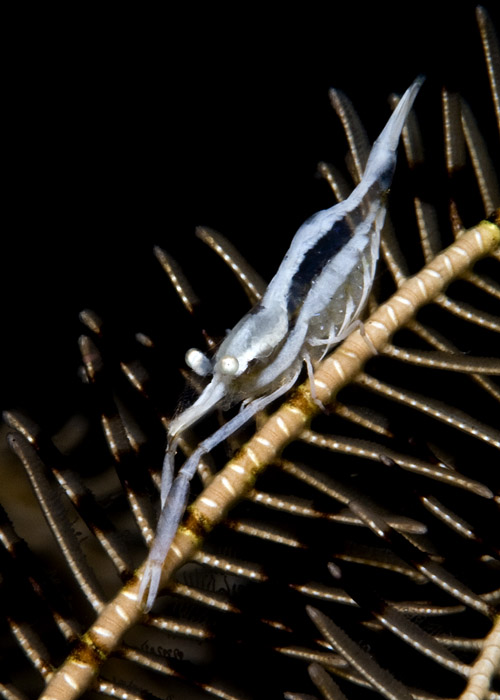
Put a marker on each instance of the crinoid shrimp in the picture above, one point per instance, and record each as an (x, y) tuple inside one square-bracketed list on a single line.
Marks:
[(311, 304)]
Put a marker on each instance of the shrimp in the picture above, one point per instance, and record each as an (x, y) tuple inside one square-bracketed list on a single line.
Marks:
[(311, 304)]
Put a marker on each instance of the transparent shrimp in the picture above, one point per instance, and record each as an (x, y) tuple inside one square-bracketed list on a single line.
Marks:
[(311, 304)]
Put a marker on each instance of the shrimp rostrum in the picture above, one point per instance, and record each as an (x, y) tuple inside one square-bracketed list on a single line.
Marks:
[(311, 304)]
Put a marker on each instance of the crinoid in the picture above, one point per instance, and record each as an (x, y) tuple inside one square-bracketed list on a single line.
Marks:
[(346, 553)]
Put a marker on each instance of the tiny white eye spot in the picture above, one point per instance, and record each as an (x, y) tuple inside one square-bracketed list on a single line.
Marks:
[(228, 365), (198, 362)]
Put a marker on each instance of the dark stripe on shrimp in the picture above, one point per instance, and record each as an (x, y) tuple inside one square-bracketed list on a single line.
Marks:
[(333, 240), (313, 262)]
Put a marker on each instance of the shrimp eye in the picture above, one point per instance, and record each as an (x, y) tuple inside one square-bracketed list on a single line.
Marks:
[(198, 362), (228, 365)]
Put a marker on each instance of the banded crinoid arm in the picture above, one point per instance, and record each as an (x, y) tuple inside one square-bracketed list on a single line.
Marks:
[(231, 483), (485, 666)]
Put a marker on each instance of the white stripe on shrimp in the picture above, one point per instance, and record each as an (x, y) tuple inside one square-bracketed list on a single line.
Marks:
[(311, 304)]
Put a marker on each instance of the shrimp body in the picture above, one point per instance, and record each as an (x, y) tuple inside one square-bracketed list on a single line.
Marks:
[(311, 304)]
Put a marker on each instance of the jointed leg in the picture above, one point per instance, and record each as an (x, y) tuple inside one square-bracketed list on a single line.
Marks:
[(310, 374), (175, 497)]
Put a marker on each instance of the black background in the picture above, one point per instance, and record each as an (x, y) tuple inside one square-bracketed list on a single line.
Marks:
[(129, 130)]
